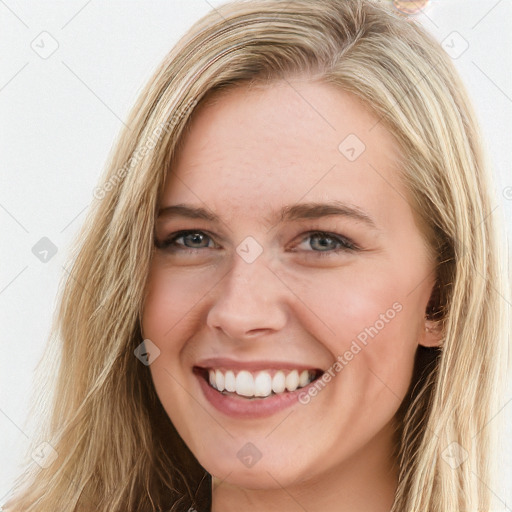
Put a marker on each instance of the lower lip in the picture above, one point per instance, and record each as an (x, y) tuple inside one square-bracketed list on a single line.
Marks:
[(244, 408)]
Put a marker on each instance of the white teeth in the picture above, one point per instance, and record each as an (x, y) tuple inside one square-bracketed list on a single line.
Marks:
[(244, 384), (229, 381), (292, 380), (279, 382), (303, 378), (219, 380), (260, 384)]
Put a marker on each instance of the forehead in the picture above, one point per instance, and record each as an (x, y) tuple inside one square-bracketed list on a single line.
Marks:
[(254, 148)]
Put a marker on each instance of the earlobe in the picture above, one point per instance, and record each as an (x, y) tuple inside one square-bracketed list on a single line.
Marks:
[(432, 334)]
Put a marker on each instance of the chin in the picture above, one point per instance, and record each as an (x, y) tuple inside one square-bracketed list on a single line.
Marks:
[(273, 473)]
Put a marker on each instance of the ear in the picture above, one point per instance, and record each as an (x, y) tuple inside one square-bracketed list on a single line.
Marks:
[(432, 335)]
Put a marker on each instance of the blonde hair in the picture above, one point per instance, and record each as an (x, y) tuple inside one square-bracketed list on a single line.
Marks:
[(117, 449)]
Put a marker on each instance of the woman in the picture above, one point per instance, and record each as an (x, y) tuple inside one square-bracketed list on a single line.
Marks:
[(211, 357)]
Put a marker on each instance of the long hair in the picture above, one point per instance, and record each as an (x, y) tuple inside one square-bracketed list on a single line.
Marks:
[(116, 448)]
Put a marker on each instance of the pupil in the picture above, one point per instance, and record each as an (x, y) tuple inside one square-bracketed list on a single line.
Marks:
[(196, 238), (323, 244)]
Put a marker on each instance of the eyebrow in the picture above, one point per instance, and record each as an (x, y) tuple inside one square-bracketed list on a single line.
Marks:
[(289, 213)]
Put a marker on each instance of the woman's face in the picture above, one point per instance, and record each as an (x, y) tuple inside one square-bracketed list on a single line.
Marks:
[(303, 255)]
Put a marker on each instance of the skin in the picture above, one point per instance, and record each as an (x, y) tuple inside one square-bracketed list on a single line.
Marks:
[(248, 154)]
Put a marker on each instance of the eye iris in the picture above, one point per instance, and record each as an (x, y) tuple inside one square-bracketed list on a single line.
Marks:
[(194, 237), (322, 244)]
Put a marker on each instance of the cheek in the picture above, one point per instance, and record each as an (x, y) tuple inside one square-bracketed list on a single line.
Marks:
[(373, 317), (169, 315), (173, 297), (350, 300)]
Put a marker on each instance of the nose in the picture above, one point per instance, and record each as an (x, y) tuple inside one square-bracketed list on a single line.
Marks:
[(249, 301)]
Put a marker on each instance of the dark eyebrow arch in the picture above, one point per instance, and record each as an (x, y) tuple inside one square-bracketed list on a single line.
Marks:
[(289, 213)]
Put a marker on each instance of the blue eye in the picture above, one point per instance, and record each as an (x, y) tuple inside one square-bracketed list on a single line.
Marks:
[(194, 240), (335, 243)]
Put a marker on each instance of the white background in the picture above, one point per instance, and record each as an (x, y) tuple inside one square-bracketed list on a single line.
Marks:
[(61, 114)]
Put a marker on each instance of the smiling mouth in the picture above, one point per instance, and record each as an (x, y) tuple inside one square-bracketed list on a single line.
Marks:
[(257, 385)]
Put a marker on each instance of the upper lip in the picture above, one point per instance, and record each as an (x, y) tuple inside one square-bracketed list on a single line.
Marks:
[(253, 365)]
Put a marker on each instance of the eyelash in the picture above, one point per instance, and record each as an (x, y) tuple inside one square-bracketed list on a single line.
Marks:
[(346, 244)]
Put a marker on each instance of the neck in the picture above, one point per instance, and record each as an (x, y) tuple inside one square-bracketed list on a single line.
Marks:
[(366, 482)]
